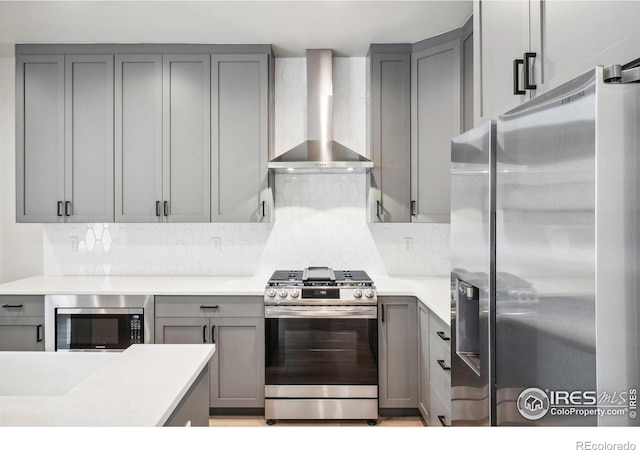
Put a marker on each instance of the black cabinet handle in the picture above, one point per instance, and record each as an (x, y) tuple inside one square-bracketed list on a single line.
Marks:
[(67, 209), (378, 208), (38, 335), (441, 364), (442, 336), (12, 306), (528, 56), (382, 315), (166, 208), (204, 334), (516, 77), (442, 422), (413, 208), (209, 306), (60, 209), (213, 334), (158, 212), (263, 208)]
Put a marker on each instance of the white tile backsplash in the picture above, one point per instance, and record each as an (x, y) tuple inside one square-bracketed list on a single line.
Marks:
[(320, 219)]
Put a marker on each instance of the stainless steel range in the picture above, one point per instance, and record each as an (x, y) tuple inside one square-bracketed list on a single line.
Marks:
[(321, 330)]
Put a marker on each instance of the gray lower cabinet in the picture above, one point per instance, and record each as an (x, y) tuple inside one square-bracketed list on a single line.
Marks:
[(21, 323), (389, 132), (236, 326), (186, 137), (64, 138), (439, 364), (397, 353), (423, 360), (240, 92)]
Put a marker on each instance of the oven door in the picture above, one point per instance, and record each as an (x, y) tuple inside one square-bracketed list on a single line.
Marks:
[(98, 329), (326, 346)]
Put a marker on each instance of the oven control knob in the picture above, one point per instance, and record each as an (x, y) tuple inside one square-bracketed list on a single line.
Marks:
[(295, 293), (271, 292), (369, 293), (357, 293), (283, 293)]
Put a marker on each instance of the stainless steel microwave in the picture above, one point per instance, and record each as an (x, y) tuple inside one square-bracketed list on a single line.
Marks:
[(97, 322), (85, 329)]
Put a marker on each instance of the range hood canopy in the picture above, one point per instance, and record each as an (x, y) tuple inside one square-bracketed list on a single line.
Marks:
[(320, 153)]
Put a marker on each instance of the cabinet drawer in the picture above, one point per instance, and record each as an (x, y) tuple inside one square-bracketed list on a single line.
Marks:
[(440, 368), (438, 329), (440, 412), (207, 306), (21, 306)]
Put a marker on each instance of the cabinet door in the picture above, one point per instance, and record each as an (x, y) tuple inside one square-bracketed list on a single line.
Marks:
[(182, 330), (39, 138), (186, 137), (435, 121), (501, 35), (390, 137), (89, 138), (22, 334), (398, 352), (138, 131), (237, 379), (239, 118), (423, 360), (606, 33)]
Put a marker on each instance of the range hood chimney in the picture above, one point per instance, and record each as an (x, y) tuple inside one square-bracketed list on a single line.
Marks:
[(320, 153)]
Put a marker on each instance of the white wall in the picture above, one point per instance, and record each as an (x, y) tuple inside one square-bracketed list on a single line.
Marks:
[(20, 244), (320, 219)]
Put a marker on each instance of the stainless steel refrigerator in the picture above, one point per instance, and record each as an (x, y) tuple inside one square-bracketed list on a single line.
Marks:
[(545, 229)]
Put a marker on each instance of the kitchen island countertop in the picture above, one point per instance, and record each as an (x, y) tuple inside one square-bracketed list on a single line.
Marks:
[(432, 291), (141, 386)]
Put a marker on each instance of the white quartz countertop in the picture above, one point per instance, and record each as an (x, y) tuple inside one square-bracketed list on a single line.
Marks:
[(432, 291), (141, 386)]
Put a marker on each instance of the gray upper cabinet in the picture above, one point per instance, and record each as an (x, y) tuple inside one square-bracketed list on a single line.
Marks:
[(501, 36), (64, 130), (240, 137), (186, 137), (39, 138), (138, 131), (89, 138), (435, 120), (388, 133), (606, 33)]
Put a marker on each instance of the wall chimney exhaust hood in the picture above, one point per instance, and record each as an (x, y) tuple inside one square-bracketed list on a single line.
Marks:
[(320, 153)]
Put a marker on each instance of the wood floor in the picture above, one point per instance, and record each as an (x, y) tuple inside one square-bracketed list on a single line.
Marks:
[(258, 421)]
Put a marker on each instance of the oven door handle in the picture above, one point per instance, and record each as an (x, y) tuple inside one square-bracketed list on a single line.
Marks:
[(320, 312)]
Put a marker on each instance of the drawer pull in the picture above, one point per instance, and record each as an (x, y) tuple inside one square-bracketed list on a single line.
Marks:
[(204, 334), (442, 336), (441, 364), (12, 306), (213, 334), (209, 306), (442, 422), (38, 334)]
